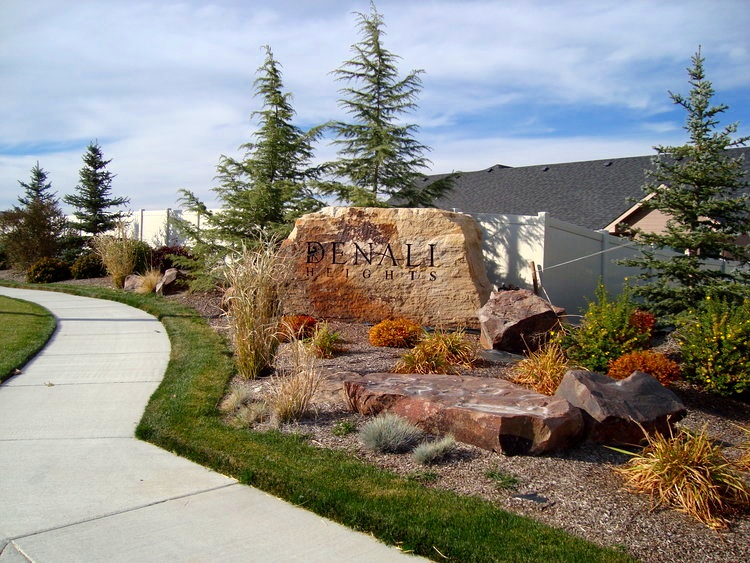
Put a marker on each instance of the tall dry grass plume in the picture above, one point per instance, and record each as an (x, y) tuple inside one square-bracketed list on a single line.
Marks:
[(290, 396), (254, 307), (117, 253)]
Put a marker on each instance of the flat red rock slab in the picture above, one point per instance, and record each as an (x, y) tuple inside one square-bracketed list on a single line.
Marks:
[(493, 414)]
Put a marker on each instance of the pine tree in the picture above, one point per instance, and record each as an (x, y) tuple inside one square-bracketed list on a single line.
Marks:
[(378, 155), (94, 199), (33, 230), (273, 183), (699, 187)]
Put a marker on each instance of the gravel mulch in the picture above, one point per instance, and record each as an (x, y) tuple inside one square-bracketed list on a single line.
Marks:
[(577, 490)]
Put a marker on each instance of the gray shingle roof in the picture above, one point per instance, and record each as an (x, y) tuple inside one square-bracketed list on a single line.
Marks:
[(590, 194)]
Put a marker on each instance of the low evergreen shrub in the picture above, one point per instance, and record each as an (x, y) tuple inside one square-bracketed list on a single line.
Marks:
[(389, 433), (87, 266), (48, 270)]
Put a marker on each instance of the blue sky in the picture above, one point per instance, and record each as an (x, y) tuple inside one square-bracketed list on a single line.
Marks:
[(166, 87)]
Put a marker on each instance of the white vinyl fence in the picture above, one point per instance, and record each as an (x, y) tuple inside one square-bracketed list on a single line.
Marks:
[(562, 261)]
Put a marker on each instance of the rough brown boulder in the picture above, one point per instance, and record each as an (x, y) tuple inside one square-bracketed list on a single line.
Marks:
[(512, 320), (369, 264), (615, 410), (493, 414)]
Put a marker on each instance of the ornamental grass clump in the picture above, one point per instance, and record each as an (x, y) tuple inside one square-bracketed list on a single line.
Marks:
[(543, 369), (117, 253), (389, 433), (687, 472), (439, 352), (655, 364), (608, 329), (715, 345), (396, 333), (290, 396), (744, 461), (149, 281), (324, 342), (254, 307), (434, 451)]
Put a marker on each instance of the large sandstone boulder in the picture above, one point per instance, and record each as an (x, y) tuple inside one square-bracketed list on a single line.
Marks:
[(615, 410), (513, 320), (369, 264), (493, 414)]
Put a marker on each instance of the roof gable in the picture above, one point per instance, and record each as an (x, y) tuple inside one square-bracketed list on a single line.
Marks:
[(590, 194)]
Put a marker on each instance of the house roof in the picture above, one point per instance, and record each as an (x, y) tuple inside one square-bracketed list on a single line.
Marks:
[(590, 193)]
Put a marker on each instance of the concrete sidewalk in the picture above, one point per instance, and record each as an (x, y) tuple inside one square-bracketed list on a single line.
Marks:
[(75, 485)]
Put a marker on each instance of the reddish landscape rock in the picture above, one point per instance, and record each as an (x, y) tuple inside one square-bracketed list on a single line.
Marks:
[(512, 320), (493, 414), (614, 409)]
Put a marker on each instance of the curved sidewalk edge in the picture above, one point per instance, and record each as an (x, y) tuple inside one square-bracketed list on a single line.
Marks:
[(77, 486)]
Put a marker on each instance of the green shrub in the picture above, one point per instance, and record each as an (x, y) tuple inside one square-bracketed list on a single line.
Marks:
[(395, 333), (434, 451), (609, 329), (4, 265), (715, 344), (656, 365), (88, 266), (141, 256), (48, 270), (344, 428), (389, 433), (439, 352)]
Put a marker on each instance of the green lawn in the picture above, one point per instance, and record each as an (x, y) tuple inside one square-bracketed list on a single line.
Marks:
[(24, 328), (182, 417)]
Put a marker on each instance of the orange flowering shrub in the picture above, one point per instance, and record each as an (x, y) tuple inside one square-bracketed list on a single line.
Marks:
[(396, 333), (643, 322), (655, 364), (297, 326)]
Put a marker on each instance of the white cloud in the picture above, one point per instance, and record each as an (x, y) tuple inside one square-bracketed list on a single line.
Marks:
[(166, 87)]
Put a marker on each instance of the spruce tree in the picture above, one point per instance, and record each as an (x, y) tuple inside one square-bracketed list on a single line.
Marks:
[(271, 185), (701, 188), (93, 199), (33, 230), (379, 160)]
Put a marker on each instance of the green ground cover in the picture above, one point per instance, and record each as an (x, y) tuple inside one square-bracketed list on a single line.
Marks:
[(24, 329), (182, 416)]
